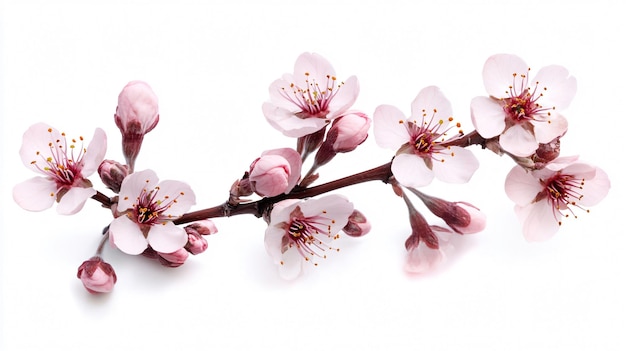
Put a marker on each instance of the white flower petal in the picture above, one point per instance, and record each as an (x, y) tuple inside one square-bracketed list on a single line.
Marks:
[(427, 101), (332, 211), (179, 196), (389, 129), (274, 242), (498, 74), (545, 132), (518, 141), (167, 237), (95, 152), (126, 236), (290, 266), (344, 99), (560, 87), (35, 194), (74, 200), (311, 67), (521, 186), (595, 189), (455, 169), (488, 116), (538, 220), (289, 124), (133, 185), (411, 170)]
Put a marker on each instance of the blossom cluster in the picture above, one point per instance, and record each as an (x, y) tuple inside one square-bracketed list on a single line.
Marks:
[(519, 117)]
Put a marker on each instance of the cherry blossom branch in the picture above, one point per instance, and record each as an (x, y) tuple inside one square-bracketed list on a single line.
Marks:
[(258, 208)]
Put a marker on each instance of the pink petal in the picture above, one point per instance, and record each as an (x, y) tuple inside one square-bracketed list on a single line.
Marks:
[(95, 152), (518, 141), (74, 200), (290, 266), (35, 145), (389, 129), (411, 170), (498, 74), (274, 242), (35, 194), (132, 186), (289, 124), (126, 236), (545, 132), (278, 89), (315, 65), (428, 100), (335, 210), (560, 87), (344, 99), (167, 237), (455, 169), (595, 189), (488, 116), (538, 221), (170, 190), (521, 186)]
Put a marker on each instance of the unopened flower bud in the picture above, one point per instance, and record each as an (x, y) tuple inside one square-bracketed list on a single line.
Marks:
[(547, 152), (349, 131), (196, 243), (173, 259), (462, 217), (112, 174), (96, 275), (275, 172), (346, 133), (204, 227), (357, 225), (137, 113)]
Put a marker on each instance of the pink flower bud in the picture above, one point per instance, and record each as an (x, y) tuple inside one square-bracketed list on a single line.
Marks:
[(97, 276), (462, 217), (196, 243), (357, 225), (137, 113), (348, 131), (112, 174), (173, 259), (204, 227), (275, 172)]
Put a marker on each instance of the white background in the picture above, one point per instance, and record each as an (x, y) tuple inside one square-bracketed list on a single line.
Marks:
[(210, 63)]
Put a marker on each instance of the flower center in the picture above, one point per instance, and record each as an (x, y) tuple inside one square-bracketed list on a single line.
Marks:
[(309, 235), (63, 162), (313, 100), (427, 136), (149, 210), (522, 106), (563, 191)]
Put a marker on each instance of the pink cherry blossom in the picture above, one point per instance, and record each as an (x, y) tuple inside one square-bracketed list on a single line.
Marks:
[(148, 209), (302, 230), (137, 113), (304, 102), (275, 172), (524, 112), (427, 246), (65, 164), (96, 275), (561, 189), (419, 141)]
